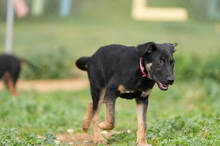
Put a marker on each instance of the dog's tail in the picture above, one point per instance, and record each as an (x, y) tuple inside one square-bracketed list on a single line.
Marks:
[(26, 62), (82, 63)]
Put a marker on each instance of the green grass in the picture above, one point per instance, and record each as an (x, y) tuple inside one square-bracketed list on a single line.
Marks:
[(187, 114), (84, 35)]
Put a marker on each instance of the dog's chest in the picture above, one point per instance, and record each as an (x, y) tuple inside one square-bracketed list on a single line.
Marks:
[(141, 88), (131, 94)]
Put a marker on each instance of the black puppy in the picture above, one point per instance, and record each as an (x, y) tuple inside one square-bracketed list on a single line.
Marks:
[(127, 72), (10, 67)]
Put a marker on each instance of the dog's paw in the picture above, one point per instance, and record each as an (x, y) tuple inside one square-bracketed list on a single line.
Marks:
[(106, 126), (102, 125), (85, 129), (85, 125)]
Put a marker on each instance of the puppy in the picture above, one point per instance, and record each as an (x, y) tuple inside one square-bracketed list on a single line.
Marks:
[(126, 72), (10, 67)]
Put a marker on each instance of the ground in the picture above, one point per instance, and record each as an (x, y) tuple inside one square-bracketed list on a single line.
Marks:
[(51, 85), (180, 116)]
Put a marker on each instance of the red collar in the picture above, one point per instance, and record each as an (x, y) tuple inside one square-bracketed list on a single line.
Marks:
[(142, 68)]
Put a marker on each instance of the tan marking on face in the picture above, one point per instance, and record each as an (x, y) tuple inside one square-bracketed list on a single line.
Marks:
[(97, 137), (148, 68)]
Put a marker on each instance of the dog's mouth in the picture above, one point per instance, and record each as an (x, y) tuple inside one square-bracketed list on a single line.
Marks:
[(161, 85)]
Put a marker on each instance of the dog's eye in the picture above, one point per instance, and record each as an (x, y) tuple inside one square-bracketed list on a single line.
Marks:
[(172, 62), (161, 61)]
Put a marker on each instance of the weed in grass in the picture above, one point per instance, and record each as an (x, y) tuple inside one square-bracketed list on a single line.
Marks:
[(12, 136), (54, 64)]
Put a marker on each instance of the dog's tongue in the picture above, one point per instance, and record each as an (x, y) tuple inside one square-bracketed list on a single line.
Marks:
[(163, 86)]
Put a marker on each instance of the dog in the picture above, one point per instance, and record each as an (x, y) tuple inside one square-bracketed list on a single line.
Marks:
[(10, 68), (126, 72)]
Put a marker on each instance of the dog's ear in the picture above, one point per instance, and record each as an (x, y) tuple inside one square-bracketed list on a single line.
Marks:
[(145, 49), (174, 47)]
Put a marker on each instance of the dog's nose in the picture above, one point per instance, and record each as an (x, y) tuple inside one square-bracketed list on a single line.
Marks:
[(170, 80)]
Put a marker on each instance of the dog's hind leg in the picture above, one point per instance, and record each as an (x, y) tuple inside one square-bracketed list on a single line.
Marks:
[(88, 117), (110, 99), (97, 87), (97, 97), (10, 84)]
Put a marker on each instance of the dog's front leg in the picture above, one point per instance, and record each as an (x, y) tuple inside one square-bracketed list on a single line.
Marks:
[(109, 122), (141, 107)]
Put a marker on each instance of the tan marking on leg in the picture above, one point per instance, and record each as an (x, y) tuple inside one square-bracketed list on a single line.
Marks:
[(149, 92), (142, 126), (109, 122), (141, 134), (122, 89), (97, 137), (88, 117), (9, 83), (146, 93)]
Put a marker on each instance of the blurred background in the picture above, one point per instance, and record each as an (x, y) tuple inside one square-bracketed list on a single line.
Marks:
[(54, 33), (53, 38)]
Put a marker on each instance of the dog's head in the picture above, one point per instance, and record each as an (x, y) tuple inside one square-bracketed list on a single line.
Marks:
[(159, 62)]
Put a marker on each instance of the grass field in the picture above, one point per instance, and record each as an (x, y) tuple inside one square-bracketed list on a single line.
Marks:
[(185, 115)]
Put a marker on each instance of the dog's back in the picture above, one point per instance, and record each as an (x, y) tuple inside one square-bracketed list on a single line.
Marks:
[(107, 61), (8, 63)]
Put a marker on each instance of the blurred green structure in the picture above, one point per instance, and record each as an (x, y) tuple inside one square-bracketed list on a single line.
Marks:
[(202, 9), (214, 9), (205, 9)]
